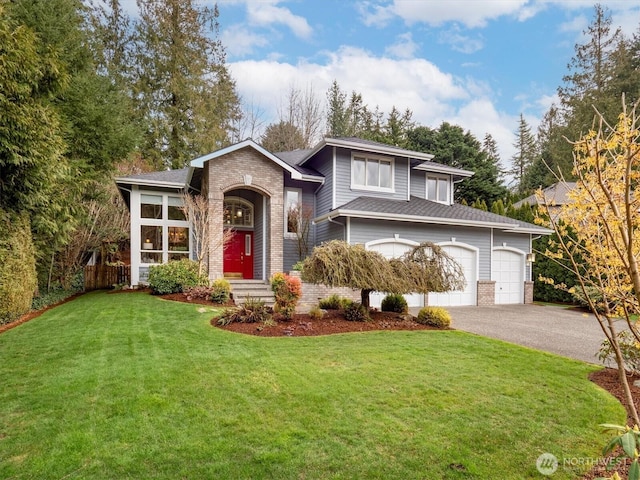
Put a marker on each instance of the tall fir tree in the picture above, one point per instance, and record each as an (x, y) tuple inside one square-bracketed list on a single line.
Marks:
[(525, 155), (602, 69), (182, 86)]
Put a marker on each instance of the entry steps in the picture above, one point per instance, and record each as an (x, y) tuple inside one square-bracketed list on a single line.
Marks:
[(258, 289)]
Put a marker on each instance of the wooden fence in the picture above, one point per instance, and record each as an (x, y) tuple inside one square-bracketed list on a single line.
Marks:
[(97, 277)]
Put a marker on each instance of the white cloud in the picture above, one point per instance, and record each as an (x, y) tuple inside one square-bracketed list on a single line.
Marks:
[(374, 15), (459, 42), (432, 95), (404, 47), (239, 40), (471, 13), (267, 13), (480, 117)]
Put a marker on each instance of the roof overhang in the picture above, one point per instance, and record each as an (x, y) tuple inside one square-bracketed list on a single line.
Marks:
[(149, 183), (368, 147), (438, 168), (507, 227), (295, 175)]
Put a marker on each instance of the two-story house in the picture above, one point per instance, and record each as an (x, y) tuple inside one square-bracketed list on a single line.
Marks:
[(386, 198)]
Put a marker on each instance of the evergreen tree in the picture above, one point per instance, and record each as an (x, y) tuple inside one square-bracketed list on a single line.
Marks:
[(603, 68), (452, 146), (31, 143), (525, 156), (182, 86)]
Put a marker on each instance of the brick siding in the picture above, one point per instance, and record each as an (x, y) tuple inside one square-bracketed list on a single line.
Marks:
[(486, 292), (245, 169)]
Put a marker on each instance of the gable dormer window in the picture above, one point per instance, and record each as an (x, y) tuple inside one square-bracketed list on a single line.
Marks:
[(372, 173), (439, 188)]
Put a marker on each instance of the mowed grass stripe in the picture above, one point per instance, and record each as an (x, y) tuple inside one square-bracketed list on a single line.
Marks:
[(113, 386)]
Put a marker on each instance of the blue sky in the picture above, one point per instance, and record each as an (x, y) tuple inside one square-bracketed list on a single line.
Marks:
[(478, 64)]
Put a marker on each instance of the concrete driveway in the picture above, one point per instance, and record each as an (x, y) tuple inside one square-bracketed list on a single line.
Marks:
[(553, 329)]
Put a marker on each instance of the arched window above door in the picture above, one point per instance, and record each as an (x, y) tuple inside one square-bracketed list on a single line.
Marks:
[(237, 212)]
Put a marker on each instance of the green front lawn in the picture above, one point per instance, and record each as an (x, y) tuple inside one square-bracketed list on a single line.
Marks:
[(131, 386)]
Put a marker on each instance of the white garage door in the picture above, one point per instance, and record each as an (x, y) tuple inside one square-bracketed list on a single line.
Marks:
[(507, 270), (394, 249), (467, 258)]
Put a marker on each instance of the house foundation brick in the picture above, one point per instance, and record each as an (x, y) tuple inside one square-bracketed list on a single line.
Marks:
[(486, 293), (312, 293), (528, 292)]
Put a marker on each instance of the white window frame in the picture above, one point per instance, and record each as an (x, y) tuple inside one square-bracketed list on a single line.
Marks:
[(239, 201), (288, 234), (438, 178), (373, 159), (165, 224)]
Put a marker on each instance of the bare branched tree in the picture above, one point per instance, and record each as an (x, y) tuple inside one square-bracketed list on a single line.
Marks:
[(196, 209), (300, 217)]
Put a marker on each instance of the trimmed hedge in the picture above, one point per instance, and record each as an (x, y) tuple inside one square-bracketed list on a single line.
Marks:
[(18, 278), (174, 277)]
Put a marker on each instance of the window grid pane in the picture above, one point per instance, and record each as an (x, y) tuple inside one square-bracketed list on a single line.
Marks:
[(373, 170), (443, 190), (385, 174), (359, 167), (431, 188)]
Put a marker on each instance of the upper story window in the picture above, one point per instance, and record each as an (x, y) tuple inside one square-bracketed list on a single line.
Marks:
[(237, 212), (151, 206), (372, 173), (439, 189)]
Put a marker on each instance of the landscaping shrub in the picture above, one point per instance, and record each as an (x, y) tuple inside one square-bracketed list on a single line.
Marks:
[(356, 312), (201, 292), (434, 316), (287, 291), (629, 348), (394, 303), (333, 302), (54, 296), (220, 291), (316, 313), (18, 278), (175, 277), (252, 311)]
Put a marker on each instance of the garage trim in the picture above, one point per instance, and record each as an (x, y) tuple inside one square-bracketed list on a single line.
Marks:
[(523, 268), (470, 281)]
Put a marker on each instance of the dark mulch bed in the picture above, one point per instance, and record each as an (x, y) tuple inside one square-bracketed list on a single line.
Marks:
[(303, 324), (333, 322)]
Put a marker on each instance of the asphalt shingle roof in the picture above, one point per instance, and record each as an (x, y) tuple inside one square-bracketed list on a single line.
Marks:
[(419, 207), (172, 176), (294, 157)]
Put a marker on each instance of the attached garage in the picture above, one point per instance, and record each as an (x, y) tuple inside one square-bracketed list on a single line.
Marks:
[(467, 257), (507, 270), (394, 248)]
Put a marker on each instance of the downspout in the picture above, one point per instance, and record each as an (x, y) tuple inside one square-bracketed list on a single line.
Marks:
[(344, 233)]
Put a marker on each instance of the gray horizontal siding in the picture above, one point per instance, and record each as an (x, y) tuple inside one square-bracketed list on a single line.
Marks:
[(323, 163), (327, 231), (345, 194), (418, 184), (363, 231)]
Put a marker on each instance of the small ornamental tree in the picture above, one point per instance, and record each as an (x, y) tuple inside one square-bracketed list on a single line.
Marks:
[(196, 210), (602, 248), (426, 268)]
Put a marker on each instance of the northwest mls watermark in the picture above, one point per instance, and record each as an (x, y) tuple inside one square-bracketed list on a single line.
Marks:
[(547, 463)]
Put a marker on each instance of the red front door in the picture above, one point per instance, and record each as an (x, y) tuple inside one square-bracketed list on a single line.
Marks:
[(238, 256)]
